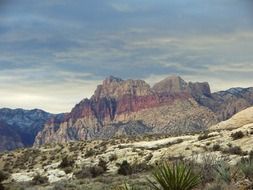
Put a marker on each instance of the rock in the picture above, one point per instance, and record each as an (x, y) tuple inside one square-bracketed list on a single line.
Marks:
[(132, 107), (173, 84), (23, 176), (118, 104), (237, 121)]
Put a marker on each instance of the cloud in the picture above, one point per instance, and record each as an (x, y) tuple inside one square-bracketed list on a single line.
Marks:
[(54, 53)]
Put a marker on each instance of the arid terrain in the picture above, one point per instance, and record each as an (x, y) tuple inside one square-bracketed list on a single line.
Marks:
[(98, 164)]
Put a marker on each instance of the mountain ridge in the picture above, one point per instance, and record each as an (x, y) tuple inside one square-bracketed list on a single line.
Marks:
[(129, 107), (169, 106)]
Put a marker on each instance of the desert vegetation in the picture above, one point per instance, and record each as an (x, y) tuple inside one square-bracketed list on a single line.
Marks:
[(215, 159)]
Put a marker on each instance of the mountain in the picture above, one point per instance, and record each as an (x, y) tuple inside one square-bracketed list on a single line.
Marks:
[(19, 127), (226, 103), (125, 107), (9, 138)]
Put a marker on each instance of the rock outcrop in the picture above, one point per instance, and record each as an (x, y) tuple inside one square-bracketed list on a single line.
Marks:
[(171, 106), (240, 119), (227, 103), (132, 107)]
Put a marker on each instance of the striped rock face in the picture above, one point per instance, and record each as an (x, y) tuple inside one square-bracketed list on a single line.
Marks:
[(132, 107)]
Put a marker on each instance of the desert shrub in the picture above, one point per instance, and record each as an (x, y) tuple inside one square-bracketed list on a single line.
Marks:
[(251, 155), (66, 162), (124, 187), (206, 169), (234, 150), (39, 180), (103, 164), (125, 168), (113, 157), (89, 172), (246, 166), (92, 171), (96, 171), (175, 177), (140, 167), (148, 157), (216, 147), (223, 171), (68, 170), (215, 186), (3, 176), (89, 153), (237, 135), (203, 136)]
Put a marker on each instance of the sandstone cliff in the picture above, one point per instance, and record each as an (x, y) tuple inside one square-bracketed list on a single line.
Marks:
[(132, 107)]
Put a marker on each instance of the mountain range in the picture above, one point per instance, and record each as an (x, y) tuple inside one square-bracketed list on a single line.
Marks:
[(126, 107)]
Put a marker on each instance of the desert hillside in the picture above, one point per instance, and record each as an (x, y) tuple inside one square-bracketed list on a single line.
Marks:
[(142, 153)]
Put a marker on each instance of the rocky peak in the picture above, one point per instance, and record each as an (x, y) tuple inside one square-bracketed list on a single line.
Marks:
[(112, 79), (117, 88), (198, 89), (172, 84), (175, 84)]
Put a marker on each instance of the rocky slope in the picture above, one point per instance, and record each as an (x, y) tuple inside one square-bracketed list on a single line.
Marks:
[(19, 127), (239, 120), (9, 138), (226, 103), (133, 107), (214, 145)]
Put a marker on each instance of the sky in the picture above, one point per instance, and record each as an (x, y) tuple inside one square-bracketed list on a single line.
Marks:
[(53, 53)]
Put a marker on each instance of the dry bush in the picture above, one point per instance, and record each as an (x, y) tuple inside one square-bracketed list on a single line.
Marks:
[(39, 180), (125, 168), (237, 135)]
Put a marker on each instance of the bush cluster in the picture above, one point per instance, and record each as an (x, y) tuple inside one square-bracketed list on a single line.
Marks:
[(237, 135), (92, 171)]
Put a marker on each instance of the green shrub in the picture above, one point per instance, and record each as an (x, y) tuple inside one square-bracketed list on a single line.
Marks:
[(92, 171), (124, 187), (237, 135), (246, 166), (113, 157), (3, 176), (216, 186), (251, 155), (125, 168), (216, 147), (175, 177), (96, 171), (203, 136), (205, 169), (140, 167), (89, 153), (233, 150), (39, 180), (223, 172), (66, 162), (103, 164), (89, 172)]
